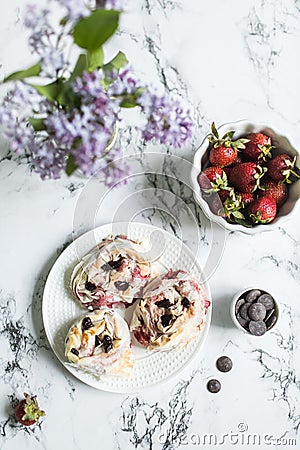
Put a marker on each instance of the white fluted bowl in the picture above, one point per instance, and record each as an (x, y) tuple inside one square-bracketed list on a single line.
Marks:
[(282, 145)]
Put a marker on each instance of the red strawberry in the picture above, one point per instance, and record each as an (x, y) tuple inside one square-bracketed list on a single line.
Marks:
[(246, 176), (227, 170), (225, 150), (263, 210), (238, 160), (212, 179), (246, 197), (282, 167), (223, 156), (258, 148), (277, 190), (27, 411)]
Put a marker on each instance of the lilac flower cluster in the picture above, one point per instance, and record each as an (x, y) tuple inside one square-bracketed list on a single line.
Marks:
[(46, 158), (85, 132), (84, 128), (75, 9), (14, 126), (43, 40), (167, 121), (123, 83)]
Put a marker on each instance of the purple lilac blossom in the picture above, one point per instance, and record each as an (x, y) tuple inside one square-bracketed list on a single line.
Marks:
[(45, 157), (123, 83), (110, 4), (116, 170), (48, 159), (43, 40), (86, 132), (15, 127), (167, 121), (76, 9)]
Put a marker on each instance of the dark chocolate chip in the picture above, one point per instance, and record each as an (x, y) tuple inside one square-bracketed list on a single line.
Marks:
[(224, 364), (121, 285), (185, 302), (257, 328), (106, 338), (74, 351), (271, 320), (90, 286), (266, 300), (86, 323), (213, 386), (238, 304), (257, 312), (244, 311), (108, 347), (164, 303), (166, 319), (97, 341), (252, 295), (116, 264), (113, 265)]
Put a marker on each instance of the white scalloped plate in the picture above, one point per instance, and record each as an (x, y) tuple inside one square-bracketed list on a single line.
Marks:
[(60, 309)]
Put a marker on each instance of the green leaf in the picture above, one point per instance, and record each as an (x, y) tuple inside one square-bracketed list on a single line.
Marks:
[(80, 67), (128, 103), (91, 32), (67, 97), (229, 135), (71, 165), (95, 59), (238, 215), (50, 91), (38, 124), (32, 71), (117, 62), (243, 222), (214, 130)]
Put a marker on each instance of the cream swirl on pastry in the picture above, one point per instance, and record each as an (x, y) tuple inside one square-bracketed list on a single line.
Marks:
[(113, 273), (171, 313), (99, 342)]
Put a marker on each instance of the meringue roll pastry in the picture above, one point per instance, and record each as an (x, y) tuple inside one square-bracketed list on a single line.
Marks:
[(171, 313), (112, 274), (99, 343)]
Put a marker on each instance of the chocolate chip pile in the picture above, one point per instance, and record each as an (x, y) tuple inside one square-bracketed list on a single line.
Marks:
[(256, 312)]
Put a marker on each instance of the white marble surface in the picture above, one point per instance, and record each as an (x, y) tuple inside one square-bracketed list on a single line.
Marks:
[(229, 60)]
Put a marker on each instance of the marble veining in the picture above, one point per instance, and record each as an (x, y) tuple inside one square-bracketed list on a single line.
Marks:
[(151, 426)]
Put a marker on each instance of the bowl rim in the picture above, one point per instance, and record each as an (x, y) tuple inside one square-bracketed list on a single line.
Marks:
[(238, 295), (197, 167)]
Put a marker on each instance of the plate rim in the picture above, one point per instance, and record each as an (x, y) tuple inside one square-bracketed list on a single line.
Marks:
[(96, 383)]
